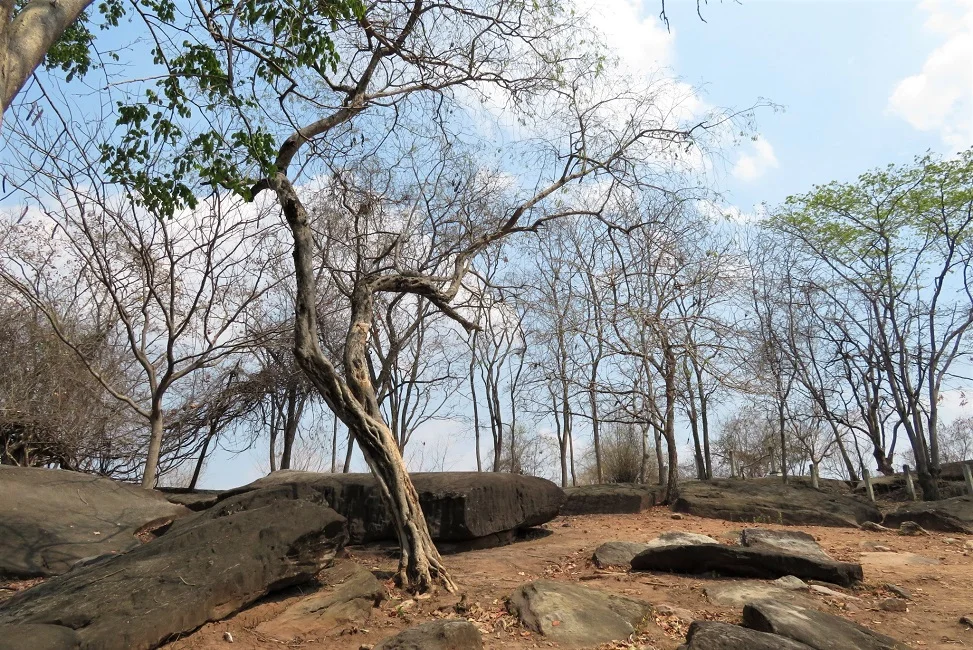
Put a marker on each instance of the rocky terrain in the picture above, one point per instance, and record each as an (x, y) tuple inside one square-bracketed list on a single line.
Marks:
[(304, 560)]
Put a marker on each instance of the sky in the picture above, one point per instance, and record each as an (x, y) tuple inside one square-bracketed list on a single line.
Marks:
[(856, 85)]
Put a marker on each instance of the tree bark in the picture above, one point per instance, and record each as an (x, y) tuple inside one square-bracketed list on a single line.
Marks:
[(353, 399), (155, 445)]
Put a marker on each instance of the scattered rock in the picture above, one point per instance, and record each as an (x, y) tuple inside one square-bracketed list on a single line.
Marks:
[(436, 635), (52, 519), (739, 593), (966, 620), (772, 502), (893, 605), (610, 499), (676, 515), (828, 591), (618, 554), (348, 594), (713, 635), (788, 541), (871, 526), (459, 506), (576, 616), (911, 529), (817, 629), (744, 562), (177, 582), (869, 545), (947, 515), (901, 592), (679, 538), (793, 583)]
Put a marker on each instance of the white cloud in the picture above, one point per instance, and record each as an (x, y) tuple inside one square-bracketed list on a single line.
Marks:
[(756, 161), (940, 97), (638, 38)]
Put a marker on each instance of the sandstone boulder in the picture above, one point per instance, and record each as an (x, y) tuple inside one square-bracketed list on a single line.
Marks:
[(610, 499), (816, 629), (459, 506), (744, 562), (769, 501), (953, 515), (52, 519), (713, 635), (575, 616), (436, 635), (174, 584)]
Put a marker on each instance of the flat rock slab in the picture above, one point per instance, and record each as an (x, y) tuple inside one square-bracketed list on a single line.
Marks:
[(437, 635), (769, 501), (348, 594), (195, 500), (38, 637), (459, 506), (177, 582), (713, 635), (741, 592), (575, 616), (51, 519), (948, 515), (610, 499), (620, 554), (788, 541), (818, 630), (744, 562)]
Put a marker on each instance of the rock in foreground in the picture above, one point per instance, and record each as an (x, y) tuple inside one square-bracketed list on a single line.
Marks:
[(51, 519), (819, 630), (177, 582), (437, 635), (575, 616), (459, 506), (745, 562), (712, 635), (620, 554), (769, 501)]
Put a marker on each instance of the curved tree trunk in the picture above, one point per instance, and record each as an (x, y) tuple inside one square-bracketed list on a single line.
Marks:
[(352, 398)]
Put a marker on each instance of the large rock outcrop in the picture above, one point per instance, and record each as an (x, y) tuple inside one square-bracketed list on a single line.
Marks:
[(459, 506), (713, 635), (172, 585), (51, 519), (947, 515), (610, 499), (770, 501)]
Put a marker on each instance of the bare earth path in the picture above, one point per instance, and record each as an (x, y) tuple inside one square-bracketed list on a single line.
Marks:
[(937, 570)]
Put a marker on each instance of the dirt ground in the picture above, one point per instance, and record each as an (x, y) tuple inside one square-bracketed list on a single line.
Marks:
[(936, 569)]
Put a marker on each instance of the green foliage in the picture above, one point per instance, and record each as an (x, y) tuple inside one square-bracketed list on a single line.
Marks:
[(886, 212), (215, 68)]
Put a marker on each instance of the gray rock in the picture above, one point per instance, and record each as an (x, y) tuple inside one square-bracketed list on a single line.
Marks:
[(195, 500), (819, 630), (769, 501), (38, 637), (181, 580), (576, 616), (618, 554), (459, 506), (948, 515), (739, 593), (680, 538), (437, 635), (712, 635), (347, 596), (788, 541), (792, 583), (51, 519), (610, 499), (744, 562)]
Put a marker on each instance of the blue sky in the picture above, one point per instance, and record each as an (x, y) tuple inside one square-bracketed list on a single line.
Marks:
[(862, 84), (855, 80)]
